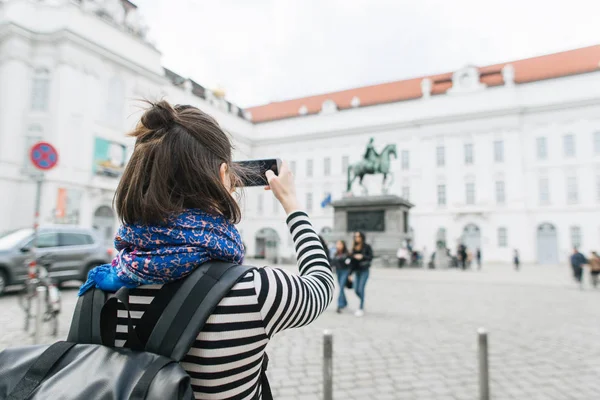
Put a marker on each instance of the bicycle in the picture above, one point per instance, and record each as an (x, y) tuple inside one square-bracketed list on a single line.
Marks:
[(38, 276)]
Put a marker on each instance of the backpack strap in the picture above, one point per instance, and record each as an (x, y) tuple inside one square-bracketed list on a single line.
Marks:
[(38, 370), (85, 325), (266, 393), (141, 388), (190, 307)]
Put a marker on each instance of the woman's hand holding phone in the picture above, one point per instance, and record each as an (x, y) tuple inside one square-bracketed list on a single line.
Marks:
[(284, 188)]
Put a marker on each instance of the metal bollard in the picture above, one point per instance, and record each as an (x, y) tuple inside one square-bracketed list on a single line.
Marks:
[(484, 373), (327, 365), (40, 293)]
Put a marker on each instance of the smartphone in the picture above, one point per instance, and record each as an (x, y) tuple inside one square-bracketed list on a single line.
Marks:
[(252, 172)]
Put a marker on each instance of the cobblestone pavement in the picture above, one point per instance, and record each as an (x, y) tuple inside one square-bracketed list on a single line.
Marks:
[(418, 338)]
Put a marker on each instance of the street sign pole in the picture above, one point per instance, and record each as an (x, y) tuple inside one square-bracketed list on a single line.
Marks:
[(44, 157), (36, 214)]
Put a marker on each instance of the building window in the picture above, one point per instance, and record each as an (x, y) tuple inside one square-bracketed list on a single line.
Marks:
[(542, 148), (309, 168), (575, 236), (441, 195), (500, 197), (498, 151), (569, 145), (405, 159), (597, 142), (572, 190), (440, 156), (116, 101), (502, 237), (259, 204), (345, 163), (470, 189), (544, 191), (327, 166), (468, 153), (405, 192), (309, 202), (293, 167), (35, 134), (40, 90)]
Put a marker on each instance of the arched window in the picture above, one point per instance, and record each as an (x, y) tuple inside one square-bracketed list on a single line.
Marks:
[(440, 238), (40, 90), (328, 106)]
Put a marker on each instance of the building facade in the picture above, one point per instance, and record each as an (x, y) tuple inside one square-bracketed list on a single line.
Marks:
[(500, 157)]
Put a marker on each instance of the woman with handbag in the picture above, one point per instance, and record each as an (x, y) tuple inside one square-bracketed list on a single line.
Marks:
[(342, 262), (362, 255)]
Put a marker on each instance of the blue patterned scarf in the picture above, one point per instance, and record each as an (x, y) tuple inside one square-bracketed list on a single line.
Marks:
[(159, 254)]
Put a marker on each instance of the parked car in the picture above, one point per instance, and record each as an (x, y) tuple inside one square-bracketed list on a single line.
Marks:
[(71, 250)]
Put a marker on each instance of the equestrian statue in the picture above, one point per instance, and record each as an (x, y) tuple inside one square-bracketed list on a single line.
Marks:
[(371, 164)]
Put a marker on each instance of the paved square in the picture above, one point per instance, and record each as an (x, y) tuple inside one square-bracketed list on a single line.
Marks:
[(418, 338)]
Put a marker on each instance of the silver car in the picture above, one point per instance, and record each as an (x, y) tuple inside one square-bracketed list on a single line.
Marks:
[(71, 252)]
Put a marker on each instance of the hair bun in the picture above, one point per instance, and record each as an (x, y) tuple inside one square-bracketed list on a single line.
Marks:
[(159, 116)]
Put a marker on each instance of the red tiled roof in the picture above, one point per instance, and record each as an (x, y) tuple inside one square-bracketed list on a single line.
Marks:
[(555, 65)]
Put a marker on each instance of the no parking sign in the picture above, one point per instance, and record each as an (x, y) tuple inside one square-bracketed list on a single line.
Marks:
[(43, 156)]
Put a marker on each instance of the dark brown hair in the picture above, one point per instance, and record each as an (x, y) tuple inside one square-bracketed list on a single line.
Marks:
[(362, 241), (175, 166), (344, 248)]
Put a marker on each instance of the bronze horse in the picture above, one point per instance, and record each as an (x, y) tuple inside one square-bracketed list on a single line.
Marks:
[(379, 166)]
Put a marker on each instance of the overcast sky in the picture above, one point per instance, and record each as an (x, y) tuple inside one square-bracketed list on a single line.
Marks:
[(269, 50)]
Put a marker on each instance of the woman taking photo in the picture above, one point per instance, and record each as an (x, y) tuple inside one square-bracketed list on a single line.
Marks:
[(176, 202), (362, 255), (341, 262)]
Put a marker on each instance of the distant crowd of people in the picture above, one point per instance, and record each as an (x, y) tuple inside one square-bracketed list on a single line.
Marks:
[(463, 258), (352, 265)]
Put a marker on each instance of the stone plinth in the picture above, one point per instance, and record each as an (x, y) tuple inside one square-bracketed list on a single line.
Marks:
[(383, 219)]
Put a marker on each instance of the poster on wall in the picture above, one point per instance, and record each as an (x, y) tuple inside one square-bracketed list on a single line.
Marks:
[(109, 158), (68, 204)]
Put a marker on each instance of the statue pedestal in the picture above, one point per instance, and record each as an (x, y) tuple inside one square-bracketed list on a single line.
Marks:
[(383, 219), (442, 260)]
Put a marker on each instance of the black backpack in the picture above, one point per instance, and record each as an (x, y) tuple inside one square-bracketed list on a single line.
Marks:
[(88, 367)]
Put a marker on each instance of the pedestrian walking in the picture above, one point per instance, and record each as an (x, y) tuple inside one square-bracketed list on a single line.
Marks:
[(462, 256), (478, 256), (402, 255), (176, 202), (362, 255), (342, 262), (516, 260), (578, 260), (594, 263)]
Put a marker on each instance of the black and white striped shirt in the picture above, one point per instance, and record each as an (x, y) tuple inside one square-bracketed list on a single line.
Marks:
[(226, 358)]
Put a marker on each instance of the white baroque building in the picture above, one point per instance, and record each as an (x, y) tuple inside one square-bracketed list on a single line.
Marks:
[(499, 157)]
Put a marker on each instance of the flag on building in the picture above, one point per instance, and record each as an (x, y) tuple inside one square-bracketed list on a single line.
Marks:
[(326, 201)]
